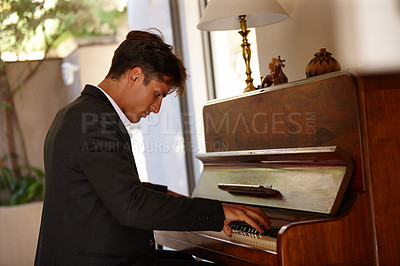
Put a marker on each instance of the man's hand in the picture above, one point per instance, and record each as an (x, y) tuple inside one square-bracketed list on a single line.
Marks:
[(251, 215)]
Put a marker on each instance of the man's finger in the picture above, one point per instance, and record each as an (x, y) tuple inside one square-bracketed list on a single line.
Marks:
[(255, 225), (260, 212), (227, 230), (251, 215), (254, 217)]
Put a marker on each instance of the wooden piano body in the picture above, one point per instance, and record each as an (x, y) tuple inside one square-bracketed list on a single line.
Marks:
[(344, 122)]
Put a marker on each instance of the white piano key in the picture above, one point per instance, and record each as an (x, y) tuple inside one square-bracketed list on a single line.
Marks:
[(244, 238)]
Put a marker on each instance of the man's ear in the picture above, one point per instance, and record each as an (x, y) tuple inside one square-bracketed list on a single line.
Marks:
[(134, 74)]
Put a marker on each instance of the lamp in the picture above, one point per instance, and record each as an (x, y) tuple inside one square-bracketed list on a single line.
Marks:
[(240, 14)]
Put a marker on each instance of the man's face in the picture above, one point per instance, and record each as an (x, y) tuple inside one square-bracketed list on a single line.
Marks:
[(140, 100)]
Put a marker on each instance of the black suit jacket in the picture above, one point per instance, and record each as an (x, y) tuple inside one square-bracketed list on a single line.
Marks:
[(96, 211)]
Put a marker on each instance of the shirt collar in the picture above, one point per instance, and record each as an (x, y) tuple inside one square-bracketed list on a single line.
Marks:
[(121, 114)]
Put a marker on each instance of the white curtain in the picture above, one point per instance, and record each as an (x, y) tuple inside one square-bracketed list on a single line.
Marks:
[(158, 139)]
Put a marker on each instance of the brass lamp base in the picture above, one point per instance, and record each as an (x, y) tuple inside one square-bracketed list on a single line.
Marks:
[(246, 52)]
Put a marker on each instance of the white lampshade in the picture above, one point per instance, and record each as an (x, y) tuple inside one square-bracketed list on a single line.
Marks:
[(223, 14)]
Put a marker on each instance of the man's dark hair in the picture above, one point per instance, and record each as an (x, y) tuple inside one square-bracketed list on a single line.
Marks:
[(156, 58)]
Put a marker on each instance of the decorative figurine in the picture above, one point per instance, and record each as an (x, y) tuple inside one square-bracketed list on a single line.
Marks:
[(322, 63), (276, 76)]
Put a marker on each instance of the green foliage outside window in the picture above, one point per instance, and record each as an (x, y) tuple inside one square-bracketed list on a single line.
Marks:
[(27, 188), (32, 25), (29, 25)]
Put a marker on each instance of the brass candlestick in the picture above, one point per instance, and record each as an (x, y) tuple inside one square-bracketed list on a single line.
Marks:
[(246, 52)]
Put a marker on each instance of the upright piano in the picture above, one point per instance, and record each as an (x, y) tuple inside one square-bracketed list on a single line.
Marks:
[(321, 157)]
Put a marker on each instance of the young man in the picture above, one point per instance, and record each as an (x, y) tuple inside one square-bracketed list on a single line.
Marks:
[(96, 210)]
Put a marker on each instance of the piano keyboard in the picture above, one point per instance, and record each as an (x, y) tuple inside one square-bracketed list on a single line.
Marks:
[(247, 235)]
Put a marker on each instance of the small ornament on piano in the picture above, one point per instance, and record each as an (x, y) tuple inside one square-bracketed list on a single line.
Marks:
[(276, 76), (322, 63)]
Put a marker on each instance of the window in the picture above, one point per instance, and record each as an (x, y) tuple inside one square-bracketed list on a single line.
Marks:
[(228, 63)]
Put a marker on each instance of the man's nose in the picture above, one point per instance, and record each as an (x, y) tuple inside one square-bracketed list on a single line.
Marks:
[(156, 106)]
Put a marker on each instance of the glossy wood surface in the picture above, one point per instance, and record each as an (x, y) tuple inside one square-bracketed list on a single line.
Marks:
[(310, 113), (223, 252), (359, 113), (342, 240), (380, 110)]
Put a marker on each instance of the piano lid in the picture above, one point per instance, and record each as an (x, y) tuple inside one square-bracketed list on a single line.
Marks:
[(311, 179)]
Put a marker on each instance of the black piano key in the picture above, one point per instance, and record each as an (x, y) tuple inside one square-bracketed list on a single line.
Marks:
[(273, 232)]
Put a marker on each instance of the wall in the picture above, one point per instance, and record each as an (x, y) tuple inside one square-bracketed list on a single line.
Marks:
[(40, 99), (358, 33), (94, 62), (18, 238), (37, 103)]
